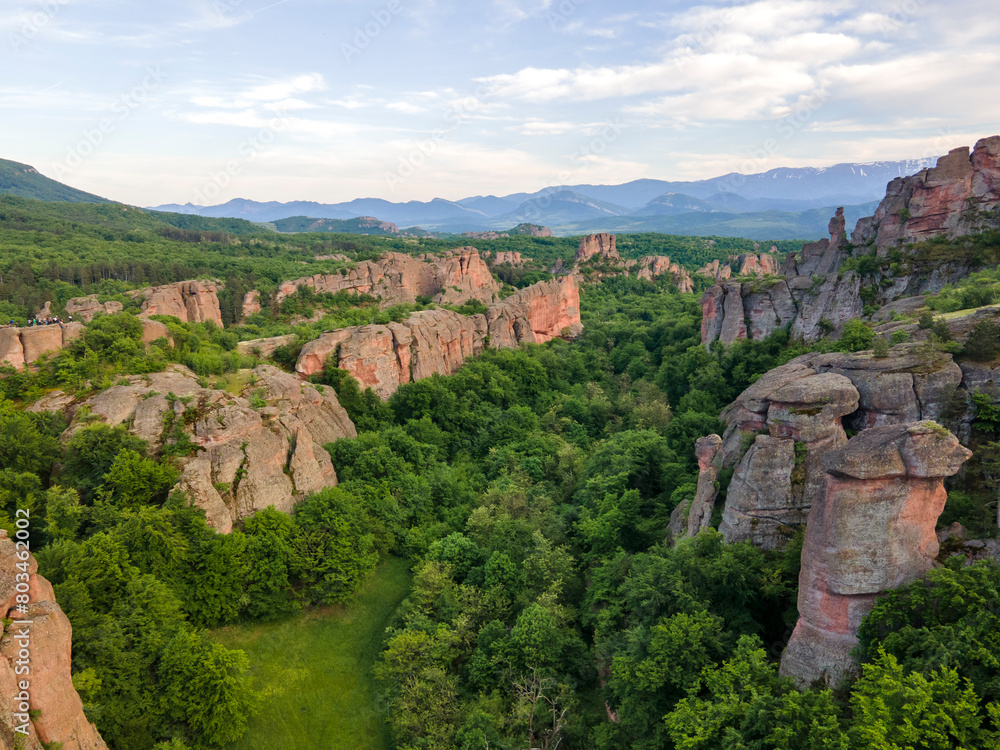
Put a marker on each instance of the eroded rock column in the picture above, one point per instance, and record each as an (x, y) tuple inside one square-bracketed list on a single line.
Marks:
[(870, 529)]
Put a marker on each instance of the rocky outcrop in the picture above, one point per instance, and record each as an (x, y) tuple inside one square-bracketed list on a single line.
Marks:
[(602, 250), (53, 712), (262, 448), (870, 529), (383, 357), (691, 517), (265, 347), (508, 256), (764, 264), (25, 346), (957, 197), (597, 245), (251, 304), (86, 308), (780, 427), (812, 298), (459, 276), (188, 301)]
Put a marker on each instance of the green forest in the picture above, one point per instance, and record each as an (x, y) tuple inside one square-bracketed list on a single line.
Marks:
[(528, 496)]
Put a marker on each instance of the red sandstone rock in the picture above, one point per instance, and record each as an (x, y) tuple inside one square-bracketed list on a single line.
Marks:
[(508, 256), (59, 716), (397, 278), (85, 308), (870, 529), (439, 341), (251, 304), (948, 200), (602, 244), (39, 340), (11, 349), (188, 301)]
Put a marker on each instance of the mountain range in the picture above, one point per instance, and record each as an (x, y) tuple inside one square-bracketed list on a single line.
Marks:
[(777, 204), (785, 203)]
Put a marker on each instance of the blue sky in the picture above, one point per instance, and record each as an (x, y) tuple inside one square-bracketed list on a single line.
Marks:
[(208, 100)]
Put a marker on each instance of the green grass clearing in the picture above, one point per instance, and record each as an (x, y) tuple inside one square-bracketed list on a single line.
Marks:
[(315, 671)]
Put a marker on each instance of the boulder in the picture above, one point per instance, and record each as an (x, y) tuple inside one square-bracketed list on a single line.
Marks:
[(153, 330), (603, 245), (265, 347), (39, 340), (870, 529)]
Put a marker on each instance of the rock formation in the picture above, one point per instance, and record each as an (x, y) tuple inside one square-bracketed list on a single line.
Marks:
[(396, 278), (960, 196), (779, 428), (265, 347), (603, 247), (188, 301), (871, 529), (54, 712), (957, 197), (383, 357), (691, 517), (85, 308), (251, 304), (812, 297), (749, 264), (508, 256), (261, 449), (25, 346)]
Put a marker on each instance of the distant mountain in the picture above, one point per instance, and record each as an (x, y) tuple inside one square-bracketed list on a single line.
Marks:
[(672, 204), (26, 182), (559, 207), (782, 193), (761, 225)]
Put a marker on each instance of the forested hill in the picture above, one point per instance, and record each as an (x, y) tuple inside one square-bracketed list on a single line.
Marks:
[(27, 182)]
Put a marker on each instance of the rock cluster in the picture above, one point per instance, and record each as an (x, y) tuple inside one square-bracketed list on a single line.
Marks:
[(188, 301), (459, 276), (508, 256), (779, 428), (383, 357), (871, 529), (604, 247), (811, 296), (56, 711), (251, 304), (259, 449), (750, 264), (85, 308), (25, 346)]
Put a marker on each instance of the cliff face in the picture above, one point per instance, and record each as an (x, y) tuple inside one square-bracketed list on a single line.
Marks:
[(56, 711), (952, 199), (383, 357), (871, 529), (396, 278), (261, 449)]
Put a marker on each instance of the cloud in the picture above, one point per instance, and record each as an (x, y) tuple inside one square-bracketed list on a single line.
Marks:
[(540, 127)]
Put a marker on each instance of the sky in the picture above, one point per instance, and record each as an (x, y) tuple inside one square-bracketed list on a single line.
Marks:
[(204, 101)]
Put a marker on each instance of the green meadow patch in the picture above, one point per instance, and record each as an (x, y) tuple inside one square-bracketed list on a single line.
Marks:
[(315, 671)]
